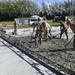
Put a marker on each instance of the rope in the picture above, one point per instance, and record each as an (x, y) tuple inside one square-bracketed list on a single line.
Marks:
[(69, 42)]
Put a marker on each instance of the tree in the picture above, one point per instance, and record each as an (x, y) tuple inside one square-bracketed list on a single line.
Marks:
[(44, 9), (17, 8)]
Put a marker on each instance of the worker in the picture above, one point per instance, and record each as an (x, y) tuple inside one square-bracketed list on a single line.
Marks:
[(63, 28), (47, 30), (15, 27)]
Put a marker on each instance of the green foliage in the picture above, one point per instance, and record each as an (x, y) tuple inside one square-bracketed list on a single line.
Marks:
[(10, 9), (17, 8)]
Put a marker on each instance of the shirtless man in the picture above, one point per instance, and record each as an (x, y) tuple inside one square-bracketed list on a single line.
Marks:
[(47, 30), (42, 26), (63, 28), (38, 28), (72, 26)]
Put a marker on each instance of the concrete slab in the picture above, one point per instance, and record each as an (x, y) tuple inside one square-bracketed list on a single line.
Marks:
[(14, 62)]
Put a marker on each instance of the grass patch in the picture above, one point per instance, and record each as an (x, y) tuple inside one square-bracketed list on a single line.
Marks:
[(53, 24), (20, 26), (9, 24), (25, 26)]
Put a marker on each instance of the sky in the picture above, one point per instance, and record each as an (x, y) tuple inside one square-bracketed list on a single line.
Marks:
[(46, 1), (39, 1)]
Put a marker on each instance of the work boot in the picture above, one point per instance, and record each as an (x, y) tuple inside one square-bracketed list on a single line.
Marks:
[(50, 37), (67, 38)]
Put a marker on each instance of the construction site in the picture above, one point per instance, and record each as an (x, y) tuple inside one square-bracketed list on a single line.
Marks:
[(58, 54)]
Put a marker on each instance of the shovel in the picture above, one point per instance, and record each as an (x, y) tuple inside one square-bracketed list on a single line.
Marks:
[(55, 35)]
